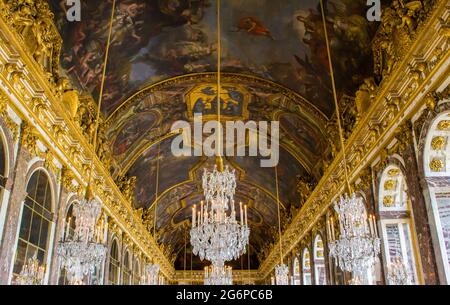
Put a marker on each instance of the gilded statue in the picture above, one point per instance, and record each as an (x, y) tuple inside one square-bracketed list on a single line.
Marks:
[(127, 186), (305, 186), (365, 95), (33, 20), (69, 96)]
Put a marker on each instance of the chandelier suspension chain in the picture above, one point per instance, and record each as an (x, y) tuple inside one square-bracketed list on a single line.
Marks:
[(156, 190), (219, 141), (336, 103), (102, 84), (279, 217)]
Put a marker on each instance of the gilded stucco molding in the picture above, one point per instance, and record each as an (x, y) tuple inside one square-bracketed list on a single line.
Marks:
[(400, 95), (29, 92)]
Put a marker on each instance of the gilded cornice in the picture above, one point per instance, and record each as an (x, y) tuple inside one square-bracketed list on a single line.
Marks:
[(399, 96), (34, 98)]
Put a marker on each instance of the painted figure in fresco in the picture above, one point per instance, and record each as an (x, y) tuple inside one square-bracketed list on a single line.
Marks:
[(231, 101), (254, 27)]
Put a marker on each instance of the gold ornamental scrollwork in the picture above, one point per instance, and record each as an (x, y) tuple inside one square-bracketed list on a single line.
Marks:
[(29, 138), (67, 179), (12, 126)]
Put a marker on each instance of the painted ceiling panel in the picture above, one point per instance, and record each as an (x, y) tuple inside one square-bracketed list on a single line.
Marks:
[(275, 67), (154, 40)]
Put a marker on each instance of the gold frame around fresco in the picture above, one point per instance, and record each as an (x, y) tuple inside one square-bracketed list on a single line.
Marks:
[(190, 100)]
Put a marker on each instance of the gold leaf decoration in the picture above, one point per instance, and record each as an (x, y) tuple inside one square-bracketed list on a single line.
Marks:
[(438, 143), (389, 185), (393, 172), (436, 165), (388, 201), (444, 125)]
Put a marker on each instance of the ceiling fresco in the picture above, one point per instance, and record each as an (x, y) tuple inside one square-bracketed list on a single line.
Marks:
[(155, 40), (162, 68)]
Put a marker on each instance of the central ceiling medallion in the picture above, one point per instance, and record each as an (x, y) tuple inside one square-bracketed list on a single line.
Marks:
[(202, 99)]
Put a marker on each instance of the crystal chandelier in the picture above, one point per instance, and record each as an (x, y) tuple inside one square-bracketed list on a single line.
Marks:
[(281, 270), (151, 274), (218, 275), (358, 244), (216, 234), (398, 273), (32, 273), (83, 253), (282, 274)]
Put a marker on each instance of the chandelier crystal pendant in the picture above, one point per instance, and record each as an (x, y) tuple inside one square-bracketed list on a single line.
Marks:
[(282, 274), (398, 273), (358, 244), (218, 275), (32, 273), (83, 253), (216, 234), (151, 274)]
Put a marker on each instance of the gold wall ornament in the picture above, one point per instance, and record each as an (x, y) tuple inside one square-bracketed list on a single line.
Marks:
[(67, 178), (444, 125), (393, 172), (12, 126), (365, 95), (390, 185), (33, 21), (127, 186), (365, 178), (437, 165), (388, 201), (71, 102), (430, 101), (404, 136), (438, 143), (49, 163), (305, 186), (29, 138)]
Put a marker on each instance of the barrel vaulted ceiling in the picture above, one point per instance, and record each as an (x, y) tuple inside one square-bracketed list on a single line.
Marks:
[(162, 61)]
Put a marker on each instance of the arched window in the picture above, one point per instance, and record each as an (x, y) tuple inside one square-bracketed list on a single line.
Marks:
[(394, 206), (320, 277), (296, 271), (306, 267), (68, 231), (126, 277), (35, 223), (436, 157), (113, 278), (137, 273)]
